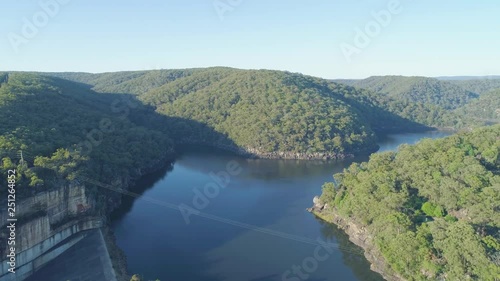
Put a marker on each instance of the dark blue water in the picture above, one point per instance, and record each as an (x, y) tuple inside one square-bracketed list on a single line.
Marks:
[(254, 228)]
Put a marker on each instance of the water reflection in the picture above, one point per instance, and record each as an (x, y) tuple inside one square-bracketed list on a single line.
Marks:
[(272, 194)]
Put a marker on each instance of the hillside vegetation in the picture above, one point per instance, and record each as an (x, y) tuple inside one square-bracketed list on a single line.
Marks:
[(485, 108), (427, 101), (418, 90), (432, 211), (267, 111), (263, 112), (479, 86), (282, 114), (66, 132)]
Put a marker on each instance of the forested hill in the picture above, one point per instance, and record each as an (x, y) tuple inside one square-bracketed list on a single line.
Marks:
[(126, 82), (485, 108), (478, 86), (268, 112), (430, 101), (417, 89), (65, 132), (265, 112), (429, 211)]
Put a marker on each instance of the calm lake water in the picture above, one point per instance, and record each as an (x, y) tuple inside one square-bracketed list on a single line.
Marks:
[(254, 229)]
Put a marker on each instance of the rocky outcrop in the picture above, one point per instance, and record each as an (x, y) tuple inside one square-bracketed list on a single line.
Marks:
[(256, 153), (51, 221), (318, 206), (296, 155), (358, 235), (44, 213), (47, 225)]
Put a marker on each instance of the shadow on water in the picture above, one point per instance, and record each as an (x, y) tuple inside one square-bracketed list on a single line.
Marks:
[(139, 187), (165, 247), (271, 198), (352, 255), (125, 112)]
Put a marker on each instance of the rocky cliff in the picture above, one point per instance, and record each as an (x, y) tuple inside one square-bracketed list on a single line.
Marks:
[(357, 235), (47, 225)]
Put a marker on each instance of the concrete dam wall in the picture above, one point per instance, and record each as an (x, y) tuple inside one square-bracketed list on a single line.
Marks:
[(50, 224)]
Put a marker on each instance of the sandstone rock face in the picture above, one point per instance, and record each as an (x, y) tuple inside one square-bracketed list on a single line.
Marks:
[(317, 205), (358, 235), (44, 210), (45, 220)]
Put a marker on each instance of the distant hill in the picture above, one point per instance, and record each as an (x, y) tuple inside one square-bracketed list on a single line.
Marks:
[(424, 100), (417, 89), (458, 78), (479, 86), (262, 111), (486, 108), (381, 103), (268, 113)]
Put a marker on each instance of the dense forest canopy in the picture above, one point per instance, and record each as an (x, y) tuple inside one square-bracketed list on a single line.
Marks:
[(261, 111), (432, 210), (268, 111), (485, 108), (66, 131), (430, 101), (378, 104), (418, 89), (479, 86), (53, 116)]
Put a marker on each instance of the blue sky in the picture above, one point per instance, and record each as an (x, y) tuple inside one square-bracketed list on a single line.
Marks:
[(428, 38)]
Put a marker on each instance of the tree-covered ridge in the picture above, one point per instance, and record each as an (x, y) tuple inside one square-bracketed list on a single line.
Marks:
[(432, 210), (485, 108), (130, 82), (478, 86), (170, 90), (66, 131), (426, 101), (272, 111), (168, 85), (419, 89), (423, 100)]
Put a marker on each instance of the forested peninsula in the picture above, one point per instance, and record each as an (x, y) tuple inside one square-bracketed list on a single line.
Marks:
[(426, 212)]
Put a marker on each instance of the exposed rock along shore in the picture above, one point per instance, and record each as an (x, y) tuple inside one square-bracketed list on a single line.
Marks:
[(75, 205), (358, 235), (256, 153)]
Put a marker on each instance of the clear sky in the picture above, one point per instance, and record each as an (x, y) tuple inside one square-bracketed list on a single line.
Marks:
[(423, 37)]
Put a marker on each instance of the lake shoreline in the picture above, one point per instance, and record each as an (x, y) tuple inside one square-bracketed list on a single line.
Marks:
[(360, 237), (180, 149), (252, 153)]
